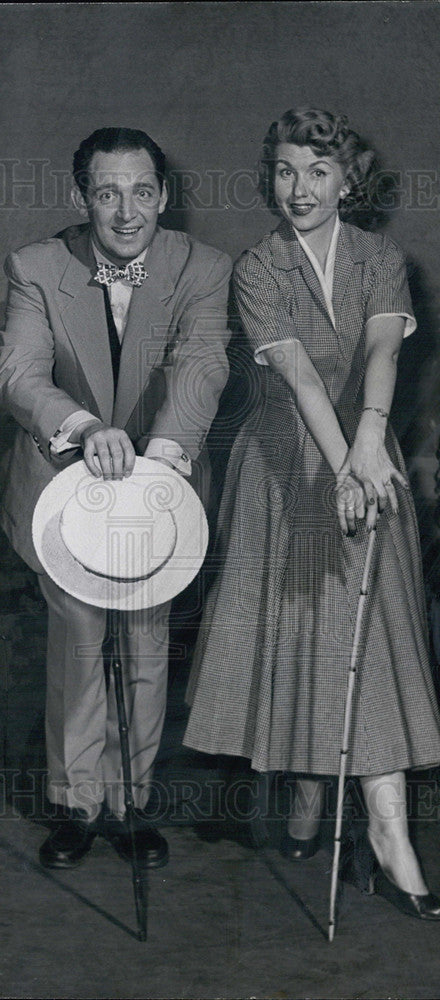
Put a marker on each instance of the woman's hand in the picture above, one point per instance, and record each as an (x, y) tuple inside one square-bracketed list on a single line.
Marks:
[(369, 461), (350, 501)]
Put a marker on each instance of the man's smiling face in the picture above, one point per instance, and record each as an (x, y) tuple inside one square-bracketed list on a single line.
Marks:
[(124, 200)]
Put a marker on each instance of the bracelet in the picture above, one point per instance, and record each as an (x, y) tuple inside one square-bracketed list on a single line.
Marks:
[(378, 410)]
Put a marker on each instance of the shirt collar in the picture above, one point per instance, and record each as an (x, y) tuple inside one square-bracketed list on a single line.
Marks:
[(100, 257)]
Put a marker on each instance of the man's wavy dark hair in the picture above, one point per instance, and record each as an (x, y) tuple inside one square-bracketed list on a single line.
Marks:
[(115, 140)]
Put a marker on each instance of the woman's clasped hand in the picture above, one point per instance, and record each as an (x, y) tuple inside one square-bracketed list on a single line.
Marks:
[(364, 486)]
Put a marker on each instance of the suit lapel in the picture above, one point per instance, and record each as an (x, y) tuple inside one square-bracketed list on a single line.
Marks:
[(344, 264), (148, 325), (352, 248), (311, 279), (83, 316), (289, 254)]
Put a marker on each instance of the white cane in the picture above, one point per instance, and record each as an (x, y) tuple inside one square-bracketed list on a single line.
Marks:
[(345, 738)]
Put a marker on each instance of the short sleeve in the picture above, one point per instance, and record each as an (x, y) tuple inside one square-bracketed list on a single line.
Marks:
[(263, 310), (390, 294)]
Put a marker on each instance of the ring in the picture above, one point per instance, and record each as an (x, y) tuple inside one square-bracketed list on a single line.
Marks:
[(350, 509)]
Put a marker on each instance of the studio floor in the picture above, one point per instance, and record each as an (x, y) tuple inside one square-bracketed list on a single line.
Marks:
[(223, 921)]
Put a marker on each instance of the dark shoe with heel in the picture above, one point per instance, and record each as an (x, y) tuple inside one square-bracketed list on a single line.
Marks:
[(424, 907), (360, 868), (299, 850), (68, 844)]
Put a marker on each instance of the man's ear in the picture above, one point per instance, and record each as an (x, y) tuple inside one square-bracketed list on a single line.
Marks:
[(78, 200), (163, 197)]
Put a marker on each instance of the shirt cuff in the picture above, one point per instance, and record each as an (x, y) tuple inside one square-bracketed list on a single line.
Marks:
[(410, 324), (60, 440), (172, 452), (273, 343)]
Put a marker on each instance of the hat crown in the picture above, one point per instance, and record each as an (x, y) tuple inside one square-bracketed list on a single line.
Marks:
[(128, 544), (117, 529)]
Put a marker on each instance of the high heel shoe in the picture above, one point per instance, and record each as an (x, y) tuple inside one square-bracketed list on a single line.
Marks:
[(424, 907), (360, 868), (299, 850)]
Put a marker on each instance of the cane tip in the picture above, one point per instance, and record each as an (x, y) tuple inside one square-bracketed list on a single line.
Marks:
[(331, 931)]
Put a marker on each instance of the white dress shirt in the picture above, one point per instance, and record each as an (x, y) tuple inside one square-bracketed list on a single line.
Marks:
[(120, 292)]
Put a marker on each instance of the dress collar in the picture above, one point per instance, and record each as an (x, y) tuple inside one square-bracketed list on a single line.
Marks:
[(287, 250), (325, 276)]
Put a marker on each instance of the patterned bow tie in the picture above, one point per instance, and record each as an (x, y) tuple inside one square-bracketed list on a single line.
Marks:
[(106, 274)]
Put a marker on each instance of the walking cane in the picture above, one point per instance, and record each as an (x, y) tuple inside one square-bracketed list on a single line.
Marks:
[(347, 721), (138, 882), (75, 523)]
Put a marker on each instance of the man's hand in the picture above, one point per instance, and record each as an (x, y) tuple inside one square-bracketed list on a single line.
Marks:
[(107, 451)]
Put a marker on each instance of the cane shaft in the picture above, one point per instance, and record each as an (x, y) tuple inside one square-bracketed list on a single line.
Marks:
[(346, 732), (138, 885)]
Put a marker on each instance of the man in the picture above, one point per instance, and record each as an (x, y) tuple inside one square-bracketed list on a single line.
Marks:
[(114, 346)]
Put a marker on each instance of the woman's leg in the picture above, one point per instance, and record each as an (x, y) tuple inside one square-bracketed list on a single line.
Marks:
[(385, 798), (305, 817)]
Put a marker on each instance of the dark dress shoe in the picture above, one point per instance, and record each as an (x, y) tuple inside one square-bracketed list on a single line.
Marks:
[(359, 867), (151, 847), (68, 844), (424, 907), (299, 850)]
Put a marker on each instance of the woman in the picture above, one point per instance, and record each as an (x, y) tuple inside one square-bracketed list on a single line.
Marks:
[(325, 307)]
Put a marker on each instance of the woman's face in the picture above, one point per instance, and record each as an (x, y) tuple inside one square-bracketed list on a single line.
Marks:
[(307, 186)]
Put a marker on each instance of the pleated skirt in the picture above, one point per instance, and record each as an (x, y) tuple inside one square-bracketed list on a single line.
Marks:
[(270, 671)]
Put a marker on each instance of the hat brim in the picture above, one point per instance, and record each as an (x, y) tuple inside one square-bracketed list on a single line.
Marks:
[(105, 592)]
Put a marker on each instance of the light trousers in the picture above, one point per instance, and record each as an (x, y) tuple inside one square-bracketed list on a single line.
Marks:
[(82, 736)]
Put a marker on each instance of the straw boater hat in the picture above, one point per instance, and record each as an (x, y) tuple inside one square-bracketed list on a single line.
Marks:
[(129, 544)]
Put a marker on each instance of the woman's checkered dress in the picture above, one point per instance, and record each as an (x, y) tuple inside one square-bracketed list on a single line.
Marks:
[(270, 673)]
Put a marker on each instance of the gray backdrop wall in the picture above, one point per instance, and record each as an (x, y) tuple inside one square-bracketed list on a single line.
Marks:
[(206, 79)]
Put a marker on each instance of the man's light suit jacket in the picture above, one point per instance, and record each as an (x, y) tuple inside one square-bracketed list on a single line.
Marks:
[(56, 356)]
